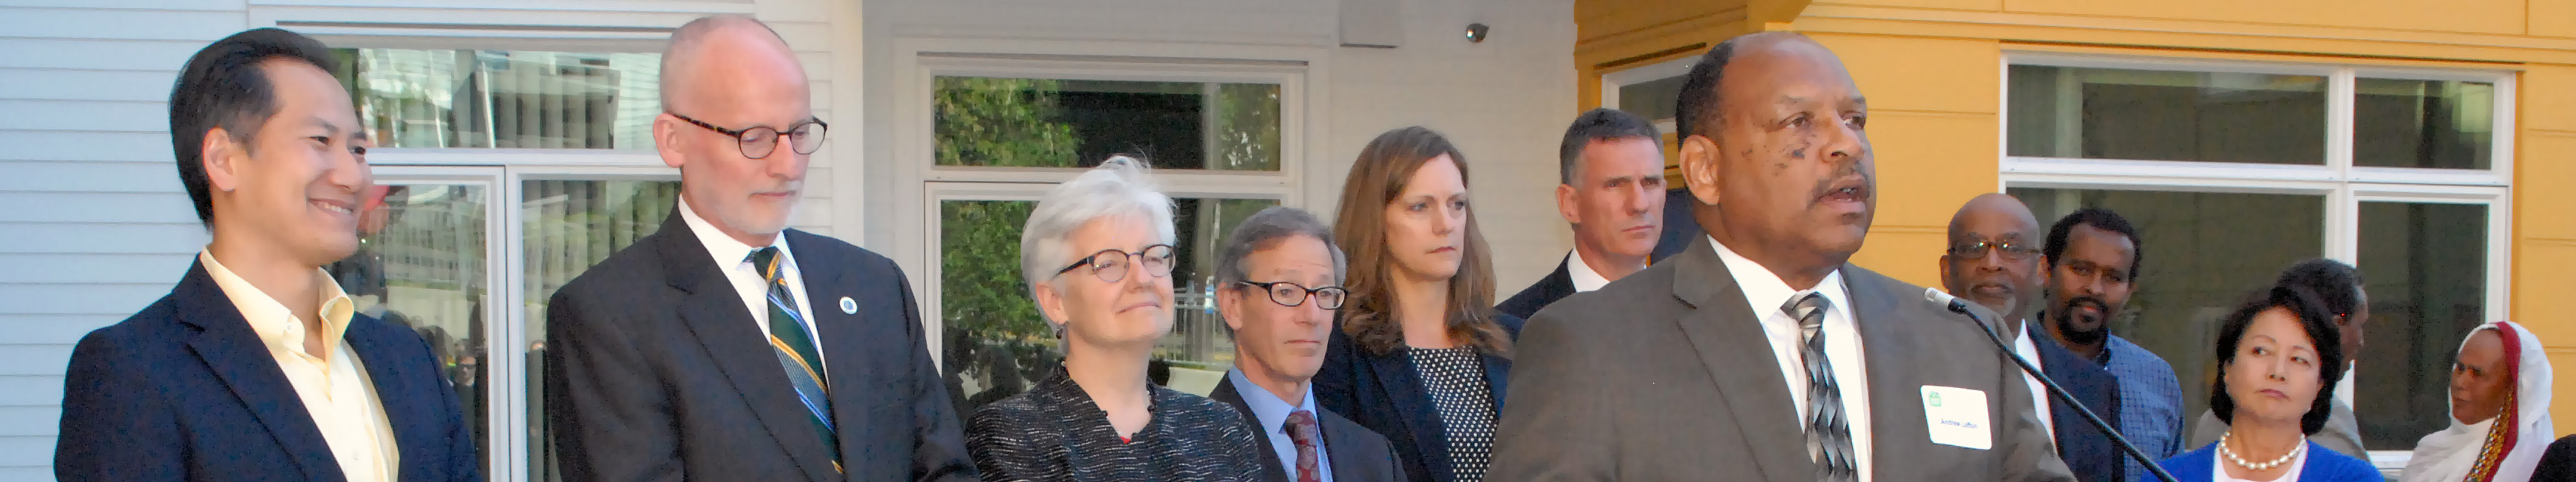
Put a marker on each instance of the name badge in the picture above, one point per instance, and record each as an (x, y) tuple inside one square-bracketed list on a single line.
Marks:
[(1957, 417)]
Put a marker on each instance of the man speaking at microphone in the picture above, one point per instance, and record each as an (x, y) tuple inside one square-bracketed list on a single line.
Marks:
[(1759, 353), (1994, 260)]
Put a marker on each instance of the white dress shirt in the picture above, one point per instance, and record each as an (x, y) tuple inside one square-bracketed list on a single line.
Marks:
[(735, 258), (2038, 393), (334, 385), (1766, 293), (1585, 278)]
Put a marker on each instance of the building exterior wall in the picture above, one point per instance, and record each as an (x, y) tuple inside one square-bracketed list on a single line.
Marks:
[(1933, 71)]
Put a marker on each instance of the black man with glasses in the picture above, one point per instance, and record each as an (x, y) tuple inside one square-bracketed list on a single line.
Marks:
[(1994, 260), (1278, 280), (1097, 256), (726, 346)]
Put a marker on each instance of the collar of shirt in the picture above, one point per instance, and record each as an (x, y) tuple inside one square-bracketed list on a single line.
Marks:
[(1271, 413), (276, 325), (734, 258), (1766, 292), (2029, 350), (1585, 278)]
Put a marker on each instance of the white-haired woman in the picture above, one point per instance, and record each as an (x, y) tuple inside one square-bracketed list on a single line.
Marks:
[(1097, 253)]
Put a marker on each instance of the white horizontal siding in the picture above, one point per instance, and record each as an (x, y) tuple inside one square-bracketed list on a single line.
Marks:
[(62, 329), (100, 54), (88, 116), (68, 84), (93, 176), (74, 207), (119, 24), (30, 390), (93, 268)]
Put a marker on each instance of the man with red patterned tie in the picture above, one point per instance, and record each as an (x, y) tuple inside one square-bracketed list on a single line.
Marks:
[(1279, 282)]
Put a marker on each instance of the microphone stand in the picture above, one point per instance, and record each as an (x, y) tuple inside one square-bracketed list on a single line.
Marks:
[(2059, 393)]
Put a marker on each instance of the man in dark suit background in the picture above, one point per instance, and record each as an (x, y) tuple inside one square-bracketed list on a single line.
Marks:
[(257, 366), (725, 346), (1610, 166), (1760, 353), (1993, 260), (1280, 280)]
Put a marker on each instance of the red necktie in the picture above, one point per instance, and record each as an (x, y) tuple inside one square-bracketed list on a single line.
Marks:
[(1302, 430)]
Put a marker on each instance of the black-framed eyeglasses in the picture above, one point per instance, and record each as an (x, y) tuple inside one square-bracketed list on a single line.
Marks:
[(760, 141), (1111, 264), (1292, 294), (1977, 250)]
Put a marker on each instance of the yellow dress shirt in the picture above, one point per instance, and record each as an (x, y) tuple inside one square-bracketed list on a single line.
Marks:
[(333, 385)]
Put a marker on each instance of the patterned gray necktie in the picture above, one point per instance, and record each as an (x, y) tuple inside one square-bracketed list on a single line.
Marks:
[(1829, 440)]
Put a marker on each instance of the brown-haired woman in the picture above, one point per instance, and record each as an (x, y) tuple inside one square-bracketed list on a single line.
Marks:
[(1419, 354)]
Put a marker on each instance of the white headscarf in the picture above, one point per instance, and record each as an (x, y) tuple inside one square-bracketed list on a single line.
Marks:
[(2503, 448)]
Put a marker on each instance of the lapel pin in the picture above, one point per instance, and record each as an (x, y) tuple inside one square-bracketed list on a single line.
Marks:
[(849, 307)]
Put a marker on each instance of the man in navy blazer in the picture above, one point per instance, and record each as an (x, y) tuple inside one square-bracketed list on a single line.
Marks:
[(725, 346), (1994, 259), (1611, 165), (256, 366)]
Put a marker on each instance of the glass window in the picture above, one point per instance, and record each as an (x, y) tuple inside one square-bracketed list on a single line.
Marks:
[(1654, 99), (2200, 257), (988, 121), (2423, 123), (997, 343), (569, 225), (420, 264), (504, 99), (2072, 112), (2424, 268)]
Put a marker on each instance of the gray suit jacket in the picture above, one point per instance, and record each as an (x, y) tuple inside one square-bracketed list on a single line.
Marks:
[(1666, 375)]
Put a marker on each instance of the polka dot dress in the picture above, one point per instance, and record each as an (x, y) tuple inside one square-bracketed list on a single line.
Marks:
[(1456, 379)]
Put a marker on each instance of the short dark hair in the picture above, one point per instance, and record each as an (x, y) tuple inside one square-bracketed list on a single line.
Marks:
[(2097, 218), (2338, 284), (224, 86), (2321, 331), (1697, 112), (1602, 124)]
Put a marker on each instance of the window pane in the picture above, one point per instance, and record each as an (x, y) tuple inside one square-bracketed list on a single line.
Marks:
[(420, 264), (2198, 261), (1653, 99), (2423, 123), (996, 343), (2424, 268), (530, 100), (2166, 115), (984, 121), (569, 226)]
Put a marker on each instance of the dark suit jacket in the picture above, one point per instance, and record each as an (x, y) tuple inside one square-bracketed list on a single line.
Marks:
[(2087, 450), (655, 371), (185, 390), (1667, 375), (1384, 394), (1357, 454), (2558, 464), (1556, 286)]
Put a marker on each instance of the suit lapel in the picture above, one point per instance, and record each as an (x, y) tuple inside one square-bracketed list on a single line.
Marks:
[(409, 409), (715, 314), (1395, 376), (841, 338), (1349, 463), (1232, 397), (1739, 359), (238, 356), (1898, 427)]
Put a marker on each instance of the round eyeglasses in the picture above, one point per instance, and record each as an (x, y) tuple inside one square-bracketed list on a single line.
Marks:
[(1291, 294), (759, 141), (1111, 264)]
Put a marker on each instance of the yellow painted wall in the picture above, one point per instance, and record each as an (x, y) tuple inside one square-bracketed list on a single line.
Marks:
[(1932, 68)]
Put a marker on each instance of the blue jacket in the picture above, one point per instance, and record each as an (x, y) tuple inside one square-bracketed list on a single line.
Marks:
[(2324, 465), (184, 390), (1383, 394)]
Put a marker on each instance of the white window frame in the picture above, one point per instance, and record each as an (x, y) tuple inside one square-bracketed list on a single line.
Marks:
[(1611, 83), (2344, 185), (919, 61)]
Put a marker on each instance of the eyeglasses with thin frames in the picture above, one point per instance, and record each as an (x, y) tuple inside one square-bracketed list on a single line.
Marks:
[(761, 141), (1292, 294), (1110, 265), (2013, 251)]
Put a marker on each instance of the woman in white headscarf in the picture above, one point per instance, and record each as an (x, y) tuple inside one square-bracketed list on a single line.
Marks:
[(2499, 411)]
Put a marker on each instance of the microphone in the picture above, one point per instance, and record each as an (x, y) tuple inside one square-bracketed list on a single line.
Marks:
[(1955, 305)]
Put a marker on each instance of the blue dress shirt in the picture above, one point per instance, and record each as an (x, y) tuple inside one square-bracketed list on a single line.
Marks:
[(1272, 413)]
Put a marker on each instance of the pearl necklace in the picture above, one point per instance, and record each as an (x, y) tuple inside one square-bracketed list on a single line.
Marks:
[(2258, 466)]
